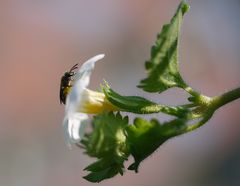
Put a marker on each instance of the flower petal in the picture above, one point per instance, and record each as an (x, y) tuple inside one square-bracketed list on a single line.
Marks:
[(84, 72), (82, 79), (74, 127)]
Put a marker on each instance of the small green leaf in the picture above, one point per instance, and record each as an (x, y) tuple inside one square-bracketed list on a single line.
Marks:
[(140, 105), (145, 137), (163, 70), (106, 142), (103, 169)]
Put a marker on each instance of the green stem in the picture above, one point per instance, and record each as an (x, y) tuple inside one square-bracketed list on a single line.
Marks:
[(189, 105), (191, 91), (226, 98), (155, 108), (198, 124), (215, 103)]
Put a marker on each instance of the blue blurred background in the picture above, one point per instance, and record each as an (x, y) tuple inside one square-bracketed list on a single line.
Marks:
[(40, 40)]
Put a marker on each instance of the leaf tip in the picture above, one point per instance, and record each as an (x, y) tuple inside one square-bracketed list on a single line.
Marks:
[(134, 167)]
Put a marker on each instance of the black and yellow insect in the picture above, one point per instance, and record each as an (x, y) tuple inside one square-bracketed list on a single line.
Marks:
[(66, 83)]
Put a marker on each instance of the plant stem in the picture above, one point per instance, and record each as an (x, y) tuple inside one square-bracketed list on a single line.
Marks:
[(198, 124), (191, 91), (226, 98), (155, 108), (215, 103)]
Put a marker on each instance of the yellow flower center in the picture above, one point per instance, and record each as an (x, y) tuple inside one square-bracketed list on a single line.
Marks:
[(95, 102)]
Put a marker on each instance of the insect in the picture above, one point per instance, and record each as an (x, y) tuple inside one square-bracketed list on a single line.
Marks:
[(66, 83)]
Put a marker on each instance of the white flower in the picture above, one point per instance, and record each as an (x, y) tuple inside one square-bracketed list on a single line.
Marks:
[(81, 101)]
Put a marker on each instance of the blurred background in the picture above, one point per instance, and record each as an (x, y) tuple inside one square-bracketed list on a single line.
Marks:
[(40, 40)]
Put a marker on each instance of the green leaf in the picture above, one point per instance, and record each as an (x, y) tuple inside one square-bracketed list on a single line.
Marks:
[(140, 105), (112, 140), (103, 169), (107, 143), (162, 68), (145, 137)]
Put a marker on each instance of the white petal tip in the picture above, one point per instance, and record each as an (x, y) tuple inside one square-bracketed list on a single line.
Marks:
[(98, 57), (89, 64)]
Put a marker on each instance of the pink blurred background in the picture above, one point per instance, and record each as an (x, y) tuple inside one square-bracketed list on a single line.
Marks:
[(40, 40)]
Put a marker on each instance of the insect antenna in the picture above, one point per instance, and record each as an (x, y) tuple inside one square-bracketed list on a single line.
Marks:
[(74, 67)]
